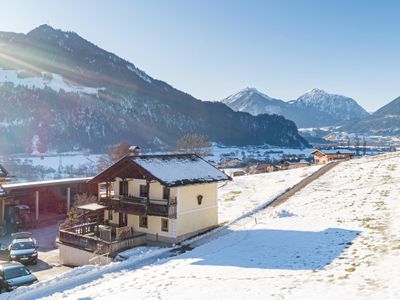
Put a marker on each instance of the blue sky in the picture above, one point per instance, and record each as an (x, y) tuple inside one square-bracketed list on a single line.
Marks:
[(213, 48)]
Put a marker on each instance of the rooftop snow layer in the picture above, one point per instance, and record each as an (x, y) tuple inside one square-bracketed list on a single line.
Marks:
[(338, 151), (2, 192), (174, 170)]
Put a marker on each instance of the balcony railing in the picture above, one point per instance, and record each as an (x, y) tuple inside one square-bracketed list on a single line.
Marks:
[(141, 206), (85, 237)]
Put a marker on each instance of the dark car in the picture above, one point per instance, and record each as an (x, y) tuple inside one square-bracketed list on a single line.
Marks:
[(13, 275), (23, 248)]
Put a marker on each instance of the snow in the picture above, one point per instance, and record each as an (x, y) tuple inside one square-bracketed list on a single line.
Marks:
[(51, 80), (338, 238), (138, 72), (176, 170), (246, 193), (86, 273)]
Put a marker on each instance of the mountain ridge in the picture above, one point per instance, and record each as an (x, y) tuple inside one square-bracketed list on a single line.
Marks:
[(385, 121), (60, 91), (315, 108)]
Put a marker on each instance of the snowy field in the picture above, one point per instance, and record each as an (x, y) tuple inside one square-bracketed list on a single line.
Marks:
[(246, 193), (336, 239)]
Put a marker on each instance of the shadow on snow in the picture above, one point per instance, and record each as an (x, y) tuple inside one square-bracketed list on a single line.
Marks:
[(275, 249)]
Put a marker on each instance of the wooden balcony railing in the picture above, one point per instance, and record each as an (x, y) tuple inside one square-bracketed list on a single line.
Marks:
[(140, 206), (85, 237)]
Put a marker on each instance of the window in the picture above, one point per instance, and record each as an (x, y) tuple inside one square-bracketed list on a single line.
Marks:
[(144, 191), (110, 215), (164, 225), (166, 192), (143, 221)]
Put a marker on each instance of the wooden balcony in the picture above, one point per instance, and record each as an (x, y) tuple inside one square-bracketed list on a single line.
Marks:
[(86, 237), (141, 206)]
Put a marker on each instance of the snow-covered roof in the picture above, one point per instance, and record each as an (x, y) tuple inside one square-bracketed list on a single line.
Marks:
[(45, 183), (298, 162), (179, 169), (2, 192), (336, 151)]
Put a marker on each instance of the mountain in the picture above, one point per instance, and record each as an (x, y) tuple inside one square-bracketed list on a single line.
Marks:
[(315, 108), (385, 121), (60, 92), (254, 102)]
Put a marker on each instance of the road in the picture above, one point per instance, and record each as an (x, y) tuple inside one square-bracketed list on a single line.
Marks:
[(302, 184)]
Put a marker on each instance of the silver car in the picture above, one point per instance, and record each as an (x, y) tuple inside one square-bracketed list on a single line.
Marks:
[(23, 248)]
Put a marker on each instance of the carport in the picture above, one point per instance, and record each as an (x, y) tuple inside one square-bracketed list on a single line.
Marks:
[(48, 200)]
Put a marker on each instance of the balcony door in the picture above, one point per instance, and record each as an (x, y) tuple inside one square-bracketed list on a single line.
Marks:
[(123, 219), (123, 188)]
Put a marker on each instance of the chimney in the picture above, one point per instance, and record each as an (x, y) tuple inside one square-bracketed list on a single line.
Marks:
[(134, 151)]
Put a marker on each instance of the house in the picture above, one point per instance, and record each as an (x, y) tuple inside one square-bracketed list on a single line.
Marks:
[(297, 164), (162, 199), (325, 156)]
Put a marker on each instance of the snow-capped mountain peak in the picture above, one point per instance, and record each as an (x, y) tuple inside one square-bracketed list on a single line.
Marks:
[(254, 102), (312, 109), (317, 95), (246, 92), (335, 105)]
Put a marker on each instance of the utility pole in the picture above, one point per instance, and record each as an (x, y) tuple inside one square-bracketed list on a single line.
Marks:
[(357, 145), (364, 147)]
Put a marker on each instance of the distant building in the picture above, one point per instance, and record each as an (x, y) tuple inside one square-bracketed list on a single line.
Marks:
[(230, 163), (325, 156), (238, 173), (297, 164), (263, 168)]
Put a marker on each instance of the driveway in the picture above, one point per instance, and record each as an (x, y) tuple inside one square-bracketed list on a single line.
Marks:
[(48, 264)]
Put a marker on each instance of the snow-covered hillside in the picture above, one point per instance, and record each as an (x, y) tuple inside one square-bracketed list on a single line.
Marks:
[(336, 239), (246, 193)]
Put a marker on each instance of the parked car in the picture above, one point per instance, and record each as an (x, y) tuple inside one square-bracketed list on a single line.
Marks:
[(13, 275), (23, 248)]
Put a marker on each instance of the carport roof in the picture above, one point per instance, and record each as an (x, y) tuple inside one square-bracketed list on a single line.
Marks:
[(92, 207), (35, 184)]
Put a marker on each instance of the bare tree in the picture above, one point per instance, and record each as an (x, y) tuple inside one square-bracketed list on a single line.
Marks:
[(75, 213), (113, 155), (194, 143)]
